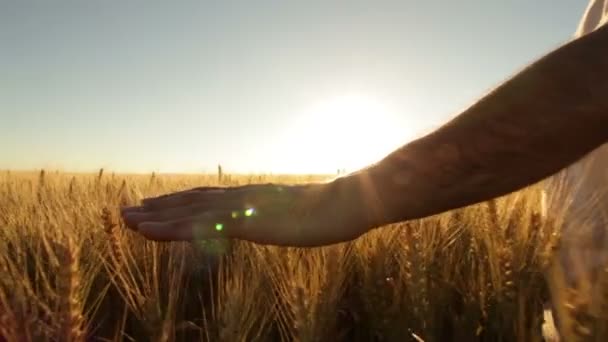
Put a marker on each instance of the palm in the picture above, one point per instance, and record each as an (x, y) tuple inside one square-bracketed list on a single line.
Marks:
[(296, 215)]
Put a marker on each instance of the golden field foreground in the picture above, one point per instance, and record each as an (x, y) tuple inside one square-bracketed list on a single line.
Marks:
[(71, 272)]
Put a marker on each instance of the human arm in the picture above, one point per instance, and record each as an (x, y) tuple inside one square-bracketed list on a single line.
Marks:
[(546, 117), (540, 121)]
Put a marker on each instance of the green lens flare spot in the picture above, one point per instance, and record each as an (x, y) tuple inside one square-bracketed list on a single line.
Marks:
[(249, 212), (235, 214), (219, 227)]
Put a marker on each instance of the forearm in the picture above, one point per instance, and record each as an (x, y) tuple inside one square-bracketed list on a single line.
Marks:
[(543, 119)]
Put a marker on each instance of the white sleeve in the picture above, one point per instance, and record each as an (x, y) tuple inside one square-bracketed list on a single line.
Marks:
[(605, 17), (595, 15), (573, 177)]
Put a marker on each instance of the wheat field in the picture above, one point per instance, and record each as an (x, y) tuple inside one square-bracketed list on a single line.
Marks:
[(72, 272)]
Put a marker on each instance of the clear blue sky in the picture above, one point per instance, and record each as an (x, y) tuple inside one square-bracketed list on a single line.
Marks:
[(141, 86)]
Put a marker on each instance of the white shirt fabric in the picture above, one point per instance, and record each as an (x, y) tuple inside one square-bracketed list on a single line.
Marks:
[(595, 16), (584, 234), (584, 248)]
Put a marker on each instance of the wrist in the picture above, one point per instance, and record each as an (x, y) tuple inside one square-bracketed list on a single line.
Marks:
[(364, 194)]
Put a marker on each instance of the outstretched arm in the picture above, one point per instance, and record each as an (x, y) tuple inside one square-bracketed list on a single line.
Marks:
[(545, 118)]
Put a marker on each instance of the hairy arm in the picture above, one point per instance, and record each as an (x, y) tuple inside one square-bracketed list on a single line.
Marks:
[(540, 121)]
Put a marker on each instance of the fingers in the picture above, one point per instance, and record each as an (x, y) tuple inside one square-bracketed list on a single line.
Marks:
[(196, 201), (134, 217), (218, 224), (208, 212), (193, 195), (180, 198)]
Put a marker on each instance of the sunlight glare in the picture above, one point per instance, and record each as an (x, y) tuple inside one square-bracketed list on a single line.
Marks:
[(347, 132)]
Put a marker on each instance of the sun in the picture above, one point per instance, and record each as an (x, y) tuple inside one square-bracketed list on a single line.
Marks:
[(345, 132)]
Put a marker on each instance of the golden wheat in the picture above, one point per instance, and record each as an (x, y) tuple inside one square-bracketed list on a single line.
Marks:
[(71, 271)]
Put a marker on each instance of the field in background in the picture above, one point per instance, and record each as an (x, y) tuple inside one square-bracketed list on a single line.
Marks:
[(71, 272)]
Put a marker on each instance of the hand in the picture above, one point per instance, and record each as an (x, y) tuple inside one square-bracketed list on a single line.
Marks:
[(288, 215)]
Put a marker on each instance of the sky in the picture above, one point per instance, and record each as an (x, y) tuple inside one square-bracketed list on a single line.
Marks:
[(257, 86)]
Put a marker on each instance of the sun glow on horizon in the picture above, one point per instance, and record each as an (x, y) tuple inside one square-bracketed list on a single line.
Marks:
[(346, 132)]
